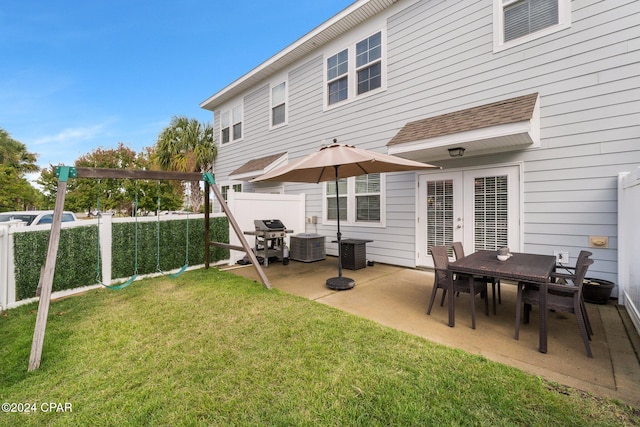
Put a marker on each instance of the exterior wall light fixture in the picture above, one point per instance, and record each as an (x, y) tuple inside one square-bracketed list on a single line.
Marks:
[(456, 152)]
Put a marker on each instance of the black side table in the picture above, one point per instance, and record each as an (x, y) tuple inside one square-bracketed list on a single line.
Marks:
[(354, 253)]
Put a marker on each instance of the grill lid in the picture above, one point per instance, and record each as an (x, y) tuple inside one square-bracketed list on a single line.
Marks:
[(269, 224)]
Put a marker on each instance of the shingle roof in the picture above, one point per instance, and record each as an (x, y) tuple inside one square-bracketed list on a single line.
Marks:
[(497, 113), (257, 164)]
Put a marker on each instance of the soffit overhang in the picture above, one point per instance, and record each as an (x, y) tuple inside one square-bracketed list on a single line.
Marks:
[(511, 124)]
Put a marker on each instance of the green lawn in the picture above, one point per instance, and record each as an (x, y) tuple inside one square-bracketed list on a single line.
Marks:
[(211, 348)]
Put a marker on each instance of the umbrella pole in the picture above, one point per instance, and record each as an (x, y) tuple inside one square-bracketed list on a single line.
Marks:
[(339, 283), (339, 235)]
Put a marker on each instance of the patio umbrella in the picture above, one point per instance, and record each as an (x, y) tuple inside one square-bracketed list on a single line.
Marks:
[(332, 163)]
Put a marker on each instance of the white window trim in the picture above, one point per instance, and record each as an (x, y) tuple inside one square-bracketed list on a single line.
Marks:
[(564, 21), (229, 110), (352, 76), (351, 206), (286, 104), (217, 208)]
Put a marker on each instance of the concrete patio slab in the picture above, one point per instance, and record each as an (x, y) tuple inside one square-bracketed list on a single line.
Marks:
[(398, 297)]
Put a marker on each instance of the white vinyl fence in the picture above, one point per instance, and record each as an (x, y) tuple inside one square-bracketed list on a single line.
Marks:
[(629, 244), (245, 207)]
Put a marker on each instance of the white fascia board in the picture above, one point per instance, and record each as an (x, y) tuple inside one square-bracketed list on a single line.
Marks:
[(305, 44)]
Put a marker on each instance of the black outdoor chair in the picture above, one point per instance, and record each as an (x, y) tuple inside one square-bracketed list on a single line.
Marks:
[(569, 276), (458, 251), (560, 297), (443, 279)]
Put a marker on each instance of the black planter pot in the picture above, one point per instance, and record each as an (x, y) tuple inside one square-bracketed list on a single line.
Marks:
[(597, 291)]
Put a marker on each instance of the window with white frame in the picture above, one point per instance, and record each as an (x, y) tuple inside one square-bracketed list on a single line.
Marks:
[(231, 124), (279, 104), (361, 200), (367, 194), (369, 63), (355, 70), (338, 77), (519, 21), (224, 190), (236, 117), (224, 127)]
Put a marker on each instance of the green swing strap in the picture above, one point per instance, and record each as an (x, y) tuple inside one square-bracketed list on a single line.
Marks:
[(186, 256), (99, 269), (186, 261)]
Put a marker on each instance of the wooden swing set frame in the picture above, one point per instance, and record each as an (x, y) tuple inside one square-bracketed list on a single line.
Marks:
[(64, 173)]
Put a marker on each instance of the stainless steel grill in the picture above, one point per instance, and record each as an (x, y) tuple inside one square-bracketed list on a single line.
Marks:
[(269, 228), (269, 239)]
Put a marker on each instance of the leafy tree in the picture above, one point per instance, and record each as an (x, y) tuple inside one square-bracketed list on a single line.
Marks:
[(119, 195), (15, 155), (15, 162), (186, 145), (48, 183), (16, 194)]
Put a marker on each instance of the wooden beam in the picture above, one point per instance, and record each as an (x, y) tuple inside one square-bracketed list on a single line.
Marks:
[(137, 174), (207, 225), (46, 278), (227, 246), (240, 234)]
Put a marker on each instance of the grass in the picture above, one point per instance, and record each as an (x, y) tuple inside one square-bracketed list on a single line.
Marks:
[(211, 348)]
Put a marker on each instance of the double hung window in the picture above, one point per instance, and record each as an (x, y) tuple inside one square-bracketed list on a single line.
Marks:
[(231, 124), (338, 77), (361, 200), (278, 104), (355, 70), (224, 190), (369, 63)]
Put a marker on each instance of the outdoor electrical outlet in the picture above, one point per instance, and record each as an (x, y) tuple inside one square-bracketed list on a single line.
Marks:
[(562, 257)]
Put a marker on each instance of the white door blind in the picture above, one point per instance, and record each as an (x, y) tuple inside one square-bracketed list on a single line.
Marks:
[(439, 213), (491, 212), (528, 16)]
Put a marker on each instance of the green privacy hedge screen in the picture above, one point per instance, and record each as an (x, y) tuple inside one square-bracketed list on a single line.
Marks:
[(77, 259)]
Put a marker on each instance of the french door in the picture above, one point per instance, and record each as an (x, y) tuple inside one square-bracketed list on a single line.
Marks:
[(480, 208)]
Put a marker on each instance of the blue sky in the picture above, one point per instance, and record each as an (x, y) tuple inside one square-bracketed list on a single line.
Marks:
[(79, 75)]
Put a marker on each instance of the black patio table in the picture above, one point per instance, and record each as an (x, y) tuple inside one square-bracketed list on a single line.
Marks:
[(532, 268)]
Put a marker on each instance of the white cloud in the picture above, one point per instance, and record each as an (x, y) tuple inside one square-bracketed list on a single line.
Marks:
[(70, 136)]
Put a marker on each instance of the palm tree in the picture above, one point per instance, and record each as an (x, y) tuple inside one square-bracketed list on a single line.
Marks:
[(187, 145)]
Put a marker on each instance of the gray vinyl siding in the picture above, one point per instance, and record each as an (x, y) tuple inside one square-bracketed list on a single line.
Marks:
[(440, 59)]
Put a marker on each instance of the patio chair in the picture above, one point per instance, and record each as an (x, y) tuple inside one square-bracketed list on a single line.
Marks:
[(443, 279), (560, 297), (569, 276), (458, 251)]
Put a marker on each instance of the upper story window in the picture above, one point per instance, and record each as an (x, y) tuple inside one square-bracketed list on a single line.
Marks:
[(355, 70), (519, 21), (369, 63), (338, 77), (279, 104), (231, 124)]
